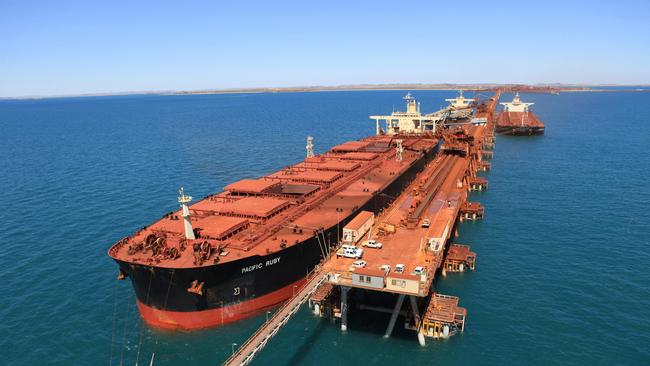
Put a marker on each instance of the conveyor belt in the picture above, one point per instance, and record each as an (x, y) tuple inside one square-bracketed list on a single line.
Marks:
[(433, 185)]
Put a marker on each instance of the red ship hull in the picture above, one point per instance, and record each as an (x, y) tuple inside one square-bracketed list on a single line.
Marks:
[(519, 124), (175, 320)]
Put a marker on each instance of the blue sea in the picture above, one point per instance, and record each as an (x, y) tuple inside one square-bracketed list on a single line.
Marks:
[(563, 271)]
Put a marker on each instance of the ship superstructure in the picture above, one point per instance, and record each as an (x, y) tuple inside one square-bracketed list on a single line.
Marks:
[(460, 107), (411, 121), (517, 119), (236, 253)]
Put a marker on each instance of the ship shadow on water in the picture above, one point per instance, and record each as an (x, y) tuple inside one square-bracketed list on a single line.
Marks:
[(299, 353), (366, 324)]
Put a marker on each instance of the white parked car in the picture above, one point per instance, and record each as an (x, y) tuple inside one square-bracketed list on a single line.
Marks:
[(372, 244), (426, 223), (349, 252), (419, 271), (359, 264), (385, 268), (399, 268)]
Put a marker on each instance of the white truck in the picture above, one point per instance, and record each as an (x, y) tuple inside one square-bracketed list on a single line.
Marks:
[(349, 251)]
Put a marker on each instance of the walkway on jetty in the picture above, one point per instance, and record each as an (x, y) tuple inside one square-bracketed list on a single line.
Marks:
[(258, 340)]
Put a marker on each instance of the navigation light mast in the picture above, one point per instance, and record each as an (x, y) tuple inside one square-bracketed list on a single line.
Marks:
[(184, 199), (310, 147)]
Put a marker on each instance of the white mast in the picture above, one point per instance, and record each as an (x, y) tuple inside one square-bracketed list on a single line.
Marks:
[(310, 147), (399, 150), (184, 199)]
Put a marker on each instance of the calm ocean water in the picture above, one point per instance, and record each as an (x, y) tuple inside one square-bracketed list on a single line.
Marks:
[(563, 272)]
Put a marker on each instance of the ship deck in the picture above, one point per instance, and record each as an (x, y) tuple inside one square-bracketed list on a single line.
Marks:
[(519, 119), (265, 215)]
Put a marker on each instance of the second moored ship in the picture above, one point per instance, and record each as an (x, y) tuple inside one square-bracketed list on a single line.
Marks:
[(518, 120)]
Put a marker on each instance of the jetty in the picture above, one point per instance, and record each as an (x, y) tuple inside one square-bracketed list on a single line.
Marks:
[(400, 252)]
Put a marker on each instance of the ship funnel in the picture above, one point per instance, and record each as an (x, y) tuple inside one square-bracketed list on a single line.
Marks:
[(310, 147), (184, 199)]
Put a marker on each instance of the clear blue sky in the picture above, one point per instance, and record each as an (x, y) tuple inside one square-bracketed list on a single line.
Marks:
[(73, 47)]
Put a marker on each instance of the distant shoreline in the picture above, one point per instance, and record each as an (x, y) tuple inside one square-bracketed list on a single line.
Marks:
[(378, 87), (524, 88)]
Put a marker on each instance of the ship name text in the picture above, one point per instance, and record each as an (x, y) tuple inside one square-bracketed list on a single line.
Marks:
[(259, 265)]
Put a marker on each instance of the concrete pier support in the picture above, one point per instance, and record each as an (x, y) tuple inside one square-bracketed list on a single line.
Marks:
[(393, 317), (418, 322), (344, 308)]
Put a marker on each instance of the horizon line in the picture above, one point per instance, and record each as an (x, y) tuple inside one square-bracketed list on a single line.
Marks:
[(317, 88)]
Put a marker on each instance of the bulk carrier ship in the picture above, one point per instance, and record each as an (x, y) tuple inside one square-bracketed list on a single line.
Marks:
[(239, 252), (516, 119)]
